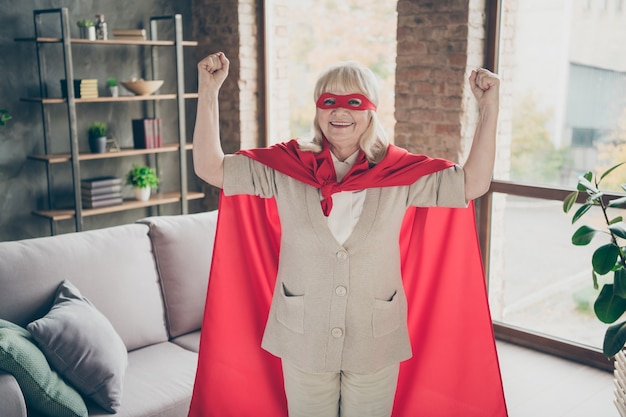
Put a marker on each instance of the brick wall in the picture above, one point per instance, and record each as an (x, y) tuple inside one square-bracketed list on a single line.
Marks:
[(233, 27), (438, 44)]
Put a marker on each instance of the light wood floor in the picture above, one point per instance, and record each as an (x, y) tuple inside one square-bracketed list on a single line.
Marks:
[(540, 385)]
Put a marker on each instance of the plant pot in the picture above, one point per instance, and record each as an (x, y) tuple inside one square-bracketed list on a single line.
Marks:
[(619, 376), (98, 145), (114, 90), (88, 33), (142, 194)]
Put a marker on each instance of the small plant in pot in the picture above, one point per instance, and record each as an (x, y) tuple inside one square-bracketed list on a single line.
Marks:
[(5, 116), (143, 179), (113, 87), (87, 29), (98, 137), (610, 258)]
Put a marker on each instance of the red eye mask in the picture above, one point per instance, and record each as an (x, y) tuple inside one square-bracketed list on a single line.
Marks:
[(349, 101)]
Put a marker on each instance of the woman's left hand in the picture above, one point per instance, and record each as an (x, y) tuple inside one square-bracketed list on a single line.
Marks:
[(485, 86)]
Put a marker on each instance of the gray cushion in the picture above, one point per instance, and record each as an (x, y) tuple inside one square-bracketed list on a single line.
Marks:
[(43, 389), (82, 345), (182, 247), (159, 381), (112, 267)]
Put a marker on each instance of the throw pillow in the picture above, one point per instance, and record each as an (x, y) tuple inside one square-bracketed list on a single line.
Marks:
[(82, 345), (43, 389)]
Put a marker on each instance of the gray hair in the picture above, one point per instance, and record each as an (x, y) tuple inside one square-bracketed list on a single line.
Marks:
[(350, 77)]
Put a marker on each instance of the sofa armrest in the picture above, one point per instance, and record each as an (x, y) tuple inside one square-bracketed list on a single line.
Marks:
[(11, 398)]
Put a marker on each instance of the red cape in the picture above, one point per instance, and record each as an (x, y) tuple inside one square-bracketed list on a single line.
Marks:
[(454, 370)]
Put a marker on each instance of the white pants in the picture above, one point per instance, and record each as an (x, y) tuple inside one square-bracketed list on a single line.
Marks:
[(340, 394)]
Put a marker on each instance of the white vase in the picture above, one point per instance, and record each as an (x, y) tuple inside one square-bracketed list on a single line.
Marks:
[(114, 90), (142, 194), (620, 382)]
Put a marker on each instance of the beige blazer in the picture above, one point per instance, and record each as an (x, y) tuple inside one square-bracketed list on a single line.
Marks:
[(339, 307)]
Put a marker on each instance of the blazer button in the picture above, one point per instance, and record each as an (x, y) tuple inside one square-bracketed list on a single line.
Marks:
[(336, 332), (342, 255), (341, 291)]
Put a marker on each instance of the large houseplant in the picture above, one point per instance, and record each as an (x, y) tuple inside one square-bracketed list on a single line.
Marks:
[(609, 258)]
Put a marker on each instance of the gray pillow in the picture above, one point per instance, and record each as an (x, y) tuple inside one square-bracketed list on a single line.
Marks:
[(82, 345)]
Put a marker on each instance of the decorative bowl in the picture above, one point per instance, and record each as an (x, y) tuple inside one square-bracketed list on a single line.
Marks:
[(142, 87)]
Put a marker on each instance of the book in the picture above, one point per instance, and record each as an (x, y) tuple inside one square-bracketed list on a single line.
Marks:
[(103, 203), (105, 189), (83, 88), (134, 34), (102, 196), (147, 133), (91, 183)]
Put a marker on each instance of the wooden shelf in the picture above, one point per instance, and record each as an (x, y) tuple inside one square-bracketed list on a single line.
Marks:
[(66, 157), (152, 97), (107, 42), (155, 200)]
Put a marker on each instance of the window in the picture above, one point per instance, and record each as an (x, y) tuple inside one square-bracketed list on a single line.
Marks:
[(565, 79), (304, 37)]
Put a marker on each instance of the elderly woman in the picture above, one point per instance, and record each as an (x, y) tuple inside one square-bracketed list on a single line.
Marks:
[(338, 314)]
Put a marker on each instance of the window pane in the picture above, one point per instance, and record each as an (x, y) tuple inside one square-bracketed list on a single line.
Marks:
[(313, 35), (565, 69), (543, 282)]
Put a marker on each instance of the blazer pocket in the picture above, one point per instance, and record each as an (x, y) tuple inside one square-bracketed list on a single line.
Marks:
[(386, 318), (290, 311)]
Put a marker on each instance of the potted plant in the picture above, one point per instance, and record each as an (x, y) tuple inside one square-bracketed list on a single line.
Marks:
[(608, 259), (87, 29), (113, 87), (97, 137), (609, 262), (143, 179), (5, 116)]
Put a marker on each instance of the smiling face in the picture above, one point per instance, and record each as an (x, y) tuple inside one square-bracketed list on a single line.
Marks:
[(343, 118)]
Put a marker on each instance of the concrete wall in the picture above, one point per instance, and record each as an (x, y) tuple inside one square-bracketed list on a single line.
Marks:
[(22, 181)]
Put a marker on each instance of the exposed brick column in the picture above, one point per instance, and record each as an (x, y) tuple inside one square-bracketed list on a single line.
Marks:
[(233, 27), (438, 44)]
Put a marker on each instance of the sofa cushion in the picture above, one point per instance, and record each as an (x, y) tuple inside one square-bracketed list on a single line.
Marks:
[(82, 345), (112, 267), (159, 381), (43, 389), (183, 245), (11, 397), (190, 341)]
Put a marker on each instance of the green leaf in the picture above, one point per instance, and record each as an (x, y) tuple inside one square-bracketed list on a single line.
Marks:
[(608, 171), (585, 184), (619, 229), (616, 220), (569, 201), (594, 276), (580, 212), (614, 339), (595, 196), (604, 258), (617, 202), (619, 282), (584, 235), (608, 306)]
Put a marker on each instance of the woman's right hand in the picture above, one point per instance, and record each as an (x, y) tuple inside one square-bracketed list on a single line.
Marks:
[(212, 71)]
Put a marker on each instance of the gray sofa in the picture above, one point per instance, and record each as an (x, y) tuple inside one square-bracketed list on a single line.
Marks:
[(148, 279)]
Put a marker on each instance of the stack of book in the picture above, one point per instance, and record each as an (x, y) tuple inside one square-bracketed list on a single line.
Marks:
[(101, 192), (87, 88), (147, 133), (130, 34)]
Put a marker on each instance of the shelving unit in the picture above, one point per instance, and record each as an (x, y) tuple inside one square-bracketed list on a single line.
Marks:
[(75, 157)]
